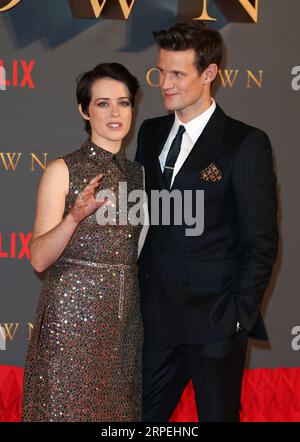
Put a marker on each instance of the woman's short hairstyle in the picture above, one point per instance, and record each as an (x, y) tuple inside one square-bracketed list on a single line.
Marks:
[(115, 71)]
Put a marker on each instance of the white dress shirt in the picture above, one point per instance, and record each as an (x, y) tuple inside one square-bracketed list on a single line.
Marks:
[(193, 130)]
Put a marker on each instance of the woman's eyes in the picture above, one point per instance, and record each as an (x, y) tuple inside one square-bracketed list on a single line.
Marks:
[(102, 104), (123, 103)]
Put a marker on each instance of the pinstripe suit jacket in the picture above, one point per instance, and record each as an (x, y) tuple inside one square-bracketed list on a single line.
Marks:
[(194, 289)]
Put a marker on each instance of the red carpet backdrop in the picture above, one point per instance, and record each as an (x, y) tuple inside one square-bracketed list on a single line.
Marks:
[(44, 46)]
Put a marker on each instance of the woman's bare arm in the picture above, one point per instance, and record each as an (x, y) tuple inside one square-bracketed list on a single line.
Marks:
[(52, 232)]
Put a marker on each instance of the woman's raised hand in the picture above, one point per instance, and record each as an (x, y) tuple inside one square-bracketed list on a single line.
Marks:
[(86, 203)]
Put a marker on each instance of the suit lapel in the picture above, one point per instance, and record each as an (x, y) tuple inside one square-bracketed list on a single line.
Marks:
[(206, 149)]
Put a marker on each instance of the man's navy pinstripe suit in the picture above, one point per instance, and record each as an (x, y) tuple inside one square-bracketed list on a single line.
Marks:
[(194, 290)]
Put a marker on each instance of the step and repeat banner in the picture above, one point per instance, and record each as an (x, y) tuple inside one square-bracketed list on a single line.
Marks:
[(45, 45)]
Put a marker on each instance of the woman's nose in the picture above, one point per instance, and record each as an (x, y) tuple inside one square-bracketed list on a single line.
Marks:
[(115, 110)]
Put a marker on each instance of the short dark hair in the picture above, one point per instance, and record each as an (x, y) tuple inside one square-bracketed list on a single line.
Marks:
[(116, 71), (207, 43)]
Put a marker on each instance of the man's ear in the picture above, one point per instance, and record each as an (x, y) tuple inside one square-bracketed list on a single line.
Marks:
[(85, 116), (210, 73)]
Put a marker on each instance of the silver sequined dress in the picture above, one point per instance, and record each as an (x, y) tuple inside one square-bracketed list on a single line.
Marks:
[(84, 357)]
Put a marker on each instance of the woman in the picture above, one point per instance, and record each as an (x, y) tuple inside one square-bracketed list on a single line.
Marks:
[(84, 357)]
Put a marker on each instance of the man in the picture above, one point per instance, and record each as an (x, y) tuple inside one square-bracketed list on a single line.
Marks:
[(201, 295)]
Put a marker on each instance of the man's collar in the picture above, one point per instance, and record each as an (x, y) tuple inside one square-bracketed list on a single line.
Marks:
[(195, 126)]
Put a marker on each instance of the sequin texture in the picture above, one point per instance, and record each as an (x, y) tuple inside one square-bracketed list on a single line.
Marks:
[(84, 358)]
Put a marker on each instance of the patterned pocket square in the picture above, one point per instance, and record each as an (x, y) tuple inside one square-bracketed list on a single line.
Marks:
[(211, 173)]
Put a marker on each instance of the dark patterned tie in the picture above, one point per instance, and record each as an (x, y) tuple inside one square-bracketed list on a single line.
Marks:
[(172, 157)]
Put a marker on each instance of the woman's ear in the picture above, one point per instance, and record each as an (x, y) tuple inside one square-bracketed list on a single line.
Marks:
[(85, 116)]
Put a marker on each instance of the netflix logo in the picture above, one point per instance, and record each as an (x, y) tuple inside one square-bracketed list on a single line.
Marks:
[(15, 245), (17, 73)]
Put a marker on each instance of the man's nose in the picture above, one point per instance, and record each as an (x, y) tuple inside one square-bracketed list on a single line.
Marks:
[(165, 82)]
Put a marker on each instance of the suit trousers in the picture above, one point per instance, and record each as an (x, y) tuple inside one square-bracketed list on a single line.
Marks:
[(216, 370)]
